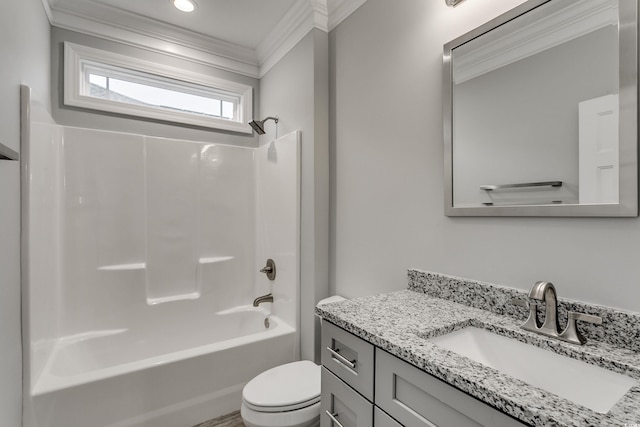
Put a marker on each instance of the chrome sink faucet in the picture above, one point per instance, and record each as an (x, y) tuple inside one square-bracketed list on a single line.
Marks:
[(546, 292)]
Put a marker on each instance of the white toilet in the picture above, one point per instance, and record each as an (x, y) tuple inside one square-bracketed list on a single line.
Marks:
[(285, 396)]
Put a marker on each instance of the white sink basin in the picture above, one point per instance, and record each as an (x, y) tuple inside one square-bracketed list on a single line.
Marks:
[(596, 388)]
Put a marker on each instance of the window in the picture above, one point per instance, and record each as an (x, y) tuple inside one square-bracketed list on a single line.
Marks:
[(116, 83)]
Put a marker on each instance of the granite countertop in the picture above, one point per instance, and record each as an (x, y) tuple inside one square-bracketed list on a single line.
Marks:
[(399, 322)]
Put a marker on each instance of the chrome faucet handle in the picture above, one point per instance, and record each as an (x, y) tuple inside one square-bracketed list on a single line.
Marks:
[(571, 333), (585, 317), (520, 302), (269, 269)]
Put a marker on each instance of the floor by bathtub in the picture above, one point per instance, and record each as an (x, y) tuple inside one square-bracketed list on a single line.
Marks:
[(230, 420)]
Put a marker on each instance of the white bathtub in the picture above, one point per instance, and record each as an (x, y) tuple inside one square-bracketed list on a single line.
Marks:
[(133, 244), (169, 375)]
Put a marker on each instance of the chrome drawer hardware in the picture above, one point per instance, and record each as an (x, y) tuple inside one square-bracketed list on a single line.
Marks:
[(333, 418), (349, 363)]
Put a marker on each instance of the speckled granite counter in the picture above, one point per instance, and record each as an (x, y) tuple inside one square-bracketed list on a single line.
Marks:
[(399, 322)]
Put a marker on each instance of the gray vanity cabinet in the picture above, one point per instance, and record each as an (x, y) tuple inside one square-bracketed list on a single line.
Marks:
[(364, 386), (381, 419), (347, 379), (348, 357), (342, 404), (415, 398)]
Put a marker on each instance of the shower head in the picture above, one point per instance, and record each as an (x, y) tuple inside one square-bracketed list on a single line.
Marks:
[(258, 125)]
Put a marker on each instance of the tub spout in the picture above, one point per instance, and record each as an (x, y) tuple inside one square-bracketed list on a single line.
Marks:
[(263, 298)]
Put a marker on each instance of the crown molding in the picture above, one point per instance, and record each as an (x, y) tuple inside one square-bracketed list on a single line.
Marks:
[(559, 27), (320, 14), (293, 27), (339, 10), (135, 30), (115, 24), (324, 15), (47, 10)]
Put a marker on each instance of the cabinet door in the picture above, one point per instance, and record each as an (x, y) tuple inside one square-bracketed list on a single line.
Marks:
[(415, 398), (348, 357), (381, 419), (341, 405)]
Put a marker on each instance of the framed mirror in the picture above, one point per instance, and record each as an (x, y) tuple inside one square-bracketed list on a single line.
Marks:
[(540, 112)]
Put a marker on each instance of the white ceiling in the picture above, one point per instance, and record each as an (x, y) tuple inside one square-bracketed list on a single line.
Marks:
[(242, 22)]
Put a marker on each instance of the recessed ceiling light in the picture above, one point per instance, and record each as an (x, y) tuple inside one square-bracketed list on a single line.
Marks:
[(184, 5)]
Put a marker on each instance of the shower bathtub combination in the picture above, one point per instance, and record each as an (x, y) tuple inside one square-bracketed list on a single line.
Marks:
[(141, 262)]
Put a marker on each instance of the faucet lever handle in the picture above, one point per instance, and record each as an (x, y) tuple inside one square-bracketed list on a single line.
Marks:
[(585, 317), (571, 333), (269, 269), (520, 302)]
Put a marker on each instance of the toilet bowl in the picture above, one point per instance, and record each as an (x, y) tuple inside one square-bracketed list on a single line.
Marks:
[(285, 396)]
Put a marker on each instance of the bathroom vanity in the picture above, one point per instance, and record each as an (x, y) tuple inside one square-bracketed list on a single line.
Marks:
[(384, 366), (351, 367)]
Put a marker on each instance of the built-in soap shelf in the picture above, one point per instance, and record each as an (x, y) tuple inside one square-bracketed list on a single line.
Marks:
[(143, 265), (213, 260), (7, 153), (180, 297), (124, 267), (135, 266)]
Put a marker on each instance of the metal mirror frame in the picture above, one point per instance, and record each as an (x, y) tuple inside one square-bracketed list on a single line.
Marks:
[(628, 125)]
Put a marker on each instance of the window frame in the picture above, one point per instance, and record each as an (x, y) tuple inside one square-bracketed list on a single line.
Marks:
[(80, 60)]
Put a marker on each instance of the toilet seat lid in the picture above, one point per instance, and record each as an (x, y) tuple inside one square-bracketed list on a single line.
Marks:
[(288, 386)]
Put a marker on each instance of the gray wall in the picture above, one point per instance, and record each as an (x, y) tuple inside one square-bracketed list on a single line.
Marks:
[(296, 90), (387, 174), (72, 116), (24, 51)]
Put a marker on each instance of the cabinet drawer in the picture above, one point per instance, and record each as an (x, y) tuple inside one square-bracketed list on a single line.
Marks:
[(341, 404), (381, 419), (348, 357), (415, 398)]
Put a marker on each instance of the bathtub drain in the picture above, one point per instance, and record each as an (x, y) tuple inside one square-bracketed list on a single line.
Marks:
[(266, 322)]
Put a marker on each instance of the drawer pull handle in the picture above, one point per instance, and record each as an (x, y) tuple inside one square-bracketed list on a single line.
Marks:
[(334, 419), (335, 353)]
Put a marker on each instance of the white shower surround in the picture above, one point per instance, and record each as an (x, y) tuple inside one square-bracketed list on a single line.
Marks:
[(143, 254)]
